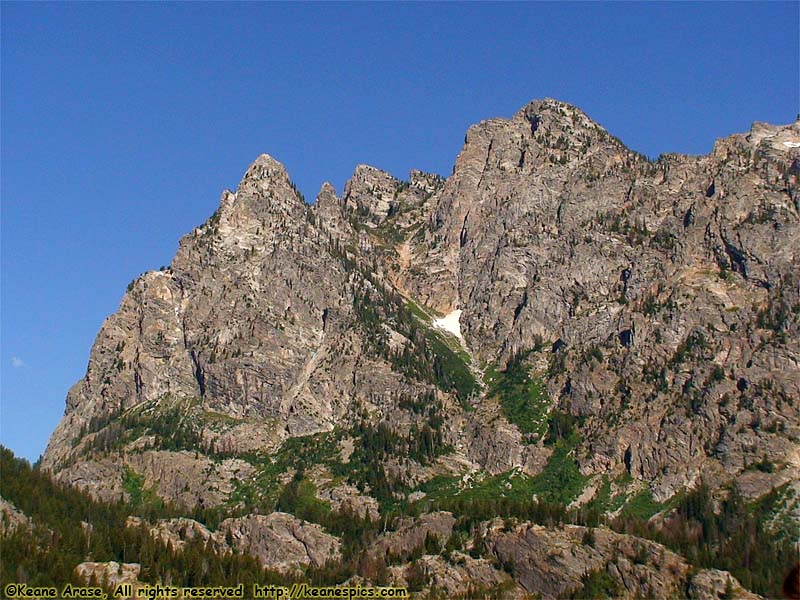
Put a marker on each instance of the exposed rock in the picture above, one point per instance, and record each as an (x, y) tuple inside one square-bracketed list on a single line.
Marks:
[(253, 316), (186, 478), (109, 574), (551, 561), (712, 584), (411, 534), (280, 541), (498, 445), (349, 498), (549, 193), (174, 533), (370, 193), (463, 576), (11, 518), (101, 479)]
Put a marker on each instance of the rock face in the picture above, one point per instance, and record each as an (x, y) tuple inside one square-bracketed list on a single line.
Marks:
[(280, 541), (371, 193), (248, 338), (710, 584), (347, 497), (246, 313), (412, 534), (552, 562), (110, 574), (657, 302), (11, 518), (175, 533), (184, 477), (549, 228), (462, 576)]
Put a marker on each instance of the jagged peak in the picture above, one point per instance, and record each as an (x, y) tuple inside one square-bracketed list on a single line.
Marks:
[(327, 195), (548, 103), (227, 198), (364, 171), (363, 168), (267, 176), (265, 161), (326, 188), (370, 192), (547, 114), (546, 131), (366, 178), (553, 113), (265, 169)]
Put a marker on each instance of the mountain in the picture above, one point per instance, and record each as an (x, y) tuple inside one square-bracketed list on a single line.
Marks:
[(562, 322)]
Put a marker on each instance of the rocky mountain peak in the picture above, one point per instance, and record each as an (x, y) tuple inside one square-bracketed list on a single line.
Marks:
[(265, 167), (266, 185), (556, 109), (561, 127), (544, 134), (371, 193), (327, 195), (329, 209)]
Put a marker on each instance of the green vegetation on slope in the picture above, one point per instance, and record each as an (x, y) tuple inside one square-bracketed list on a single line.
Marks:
[(47, 554), (560, 482), (174, 423), (606, 502), (752, 540), (523, 398), (736, 538), (642, 505), (598, 584), (372, 446), (294, 455), (426, 357)]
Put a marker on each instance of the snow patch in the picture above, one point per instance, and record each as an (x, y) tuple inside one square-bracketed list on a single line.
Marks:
[(792, 144), (450, 323)]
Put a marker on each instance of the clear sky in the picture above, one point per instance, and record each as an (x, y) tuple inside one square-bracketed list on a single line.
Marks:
[(122, 123)]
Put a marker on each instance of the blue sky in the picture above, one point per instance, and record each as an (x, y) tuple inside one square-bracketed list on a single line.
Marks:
[(122, 123)]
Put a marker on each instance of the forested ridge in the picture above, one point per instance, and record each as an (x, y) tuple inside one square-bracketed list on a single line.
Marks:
[(68, 528)]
